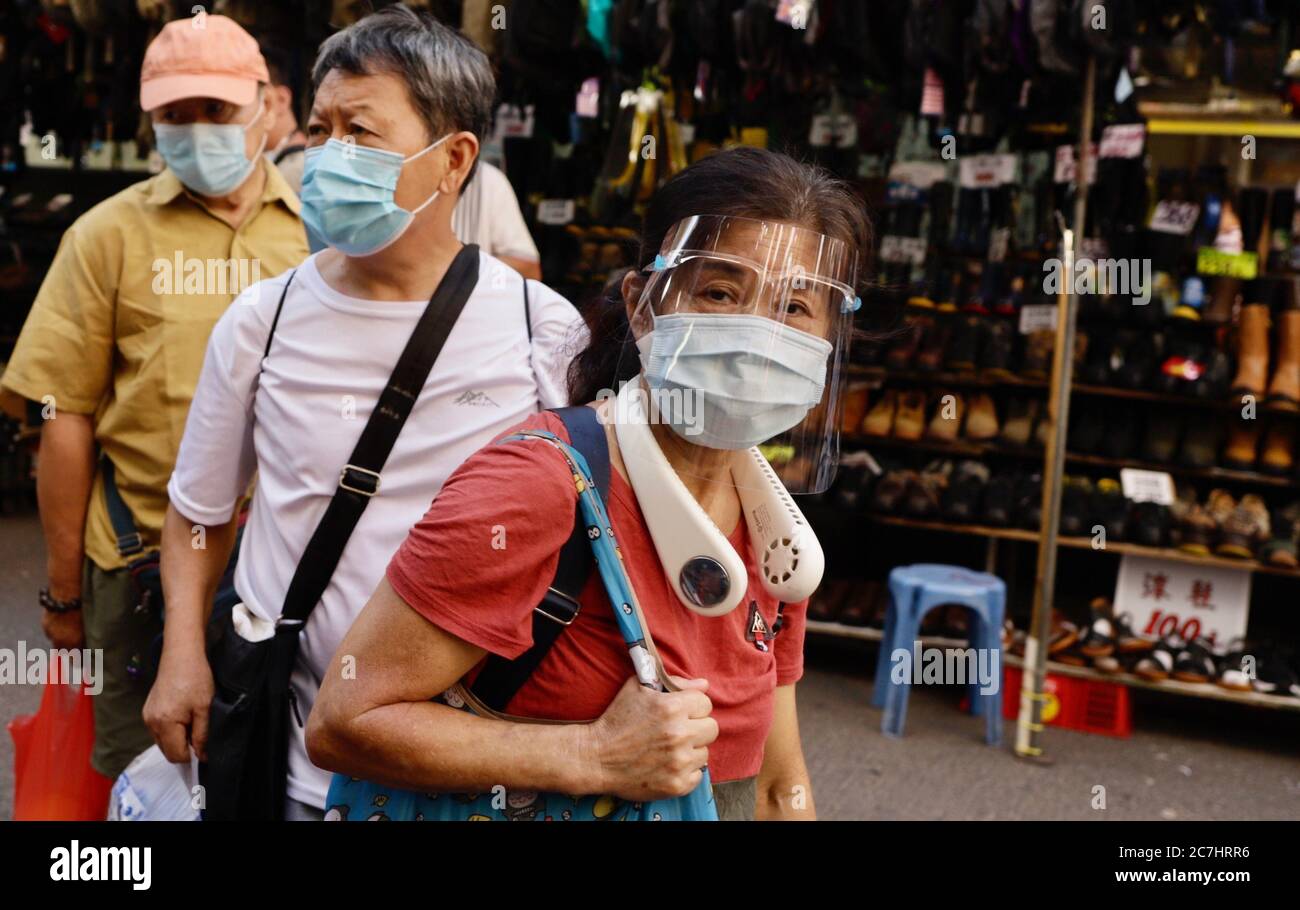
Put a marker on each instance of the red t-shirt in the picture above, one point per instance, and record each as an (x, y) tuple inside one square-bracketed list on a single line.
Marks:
[(486, 551)]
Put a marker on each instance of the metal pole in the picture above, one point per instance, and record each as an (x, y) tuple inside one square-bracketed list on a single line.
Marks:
[(1029, 722)]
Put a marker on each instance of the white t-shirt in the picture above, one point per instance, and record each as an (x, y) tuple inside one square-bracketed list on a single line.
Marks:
[(487, 213), (298, 422)]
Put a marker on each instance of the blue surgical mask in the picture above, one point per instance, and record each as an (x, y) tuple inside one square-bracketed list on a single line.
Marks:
[(347, 197), (755, 377), (207, 157)]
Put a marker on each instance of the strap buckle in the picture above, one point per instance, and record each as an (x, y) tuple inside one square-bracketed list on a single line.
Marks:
[(573, 613), (359, 480), (129, 544)]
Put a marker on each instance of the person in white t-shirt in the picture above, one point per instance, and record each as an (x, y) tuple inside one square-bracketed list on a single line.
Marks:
[(488, 214), (397, 145)]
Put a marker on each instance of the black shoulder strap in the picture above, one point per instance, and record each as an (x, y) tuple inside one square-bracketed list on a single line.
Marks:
[(499, 680), (128, 537), (359, 479), (270, 336)]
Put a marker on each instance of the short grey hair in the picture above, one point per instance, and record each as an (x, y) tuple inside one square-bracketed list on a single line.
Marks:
[(449, 79)]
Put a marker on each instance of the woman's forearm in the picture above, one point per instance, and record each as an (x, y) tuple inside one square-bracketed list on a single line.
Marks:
[(431, 747)]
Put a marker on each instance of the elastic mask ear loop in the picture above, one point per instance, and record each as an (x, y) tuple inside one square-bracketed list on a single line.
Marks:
[(436, 193)]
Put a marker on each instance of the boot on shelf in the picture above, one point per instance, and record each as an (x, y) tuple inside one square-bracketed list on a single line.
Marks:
[(1284, 390), (1278, 453), (1242, 447), (1252, 350)]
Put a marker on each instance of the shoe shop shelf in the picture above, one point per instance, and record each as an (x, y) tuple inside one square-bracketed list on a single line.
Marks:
[(1227, 475), (960, 379), (1085, 543), (1173, 686), (1228, 404), (965, 448)]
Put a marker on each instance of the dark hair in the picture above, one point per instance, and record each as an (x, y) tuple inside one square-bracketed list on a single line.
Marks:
[(449, 79), (739, 183)]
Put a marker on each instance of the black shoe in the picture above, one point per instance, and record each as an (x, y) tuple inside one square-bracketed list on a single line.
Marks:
[(999, 340), (1161, 443), (1141, 358), (965, 488), (925, 495), (1076, 509), (1087, 429), (1213, 383), (1000, 500), (1110, 508), (852, 486), (1195, 663), (1150, 524), (887, 497), (1121, 439), (964, 345), (1029, 502)]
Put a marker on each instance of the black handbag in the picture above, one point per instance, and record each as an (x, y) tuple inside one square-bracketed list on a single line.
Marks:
[(245, 774)]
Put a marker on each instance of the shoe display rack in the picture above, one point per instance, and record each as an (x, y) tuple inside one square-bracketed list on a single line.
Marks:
[(1192, 371)]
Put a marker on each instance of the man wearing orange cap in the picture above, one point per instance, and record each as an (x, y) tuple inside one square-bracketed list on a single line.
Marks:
[(115, 339)]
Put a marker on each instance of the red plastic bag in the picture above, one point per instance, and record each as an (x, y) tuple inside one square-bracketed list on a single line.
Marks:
[(53, 779)]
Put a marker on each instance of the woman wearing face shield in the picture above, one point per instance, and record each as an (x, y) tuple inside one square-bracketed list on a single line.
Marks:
[(727, 339)]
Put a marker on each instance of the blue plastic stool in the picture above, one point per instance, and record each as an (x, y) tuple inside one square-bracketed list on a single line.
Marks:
[(913, 592)]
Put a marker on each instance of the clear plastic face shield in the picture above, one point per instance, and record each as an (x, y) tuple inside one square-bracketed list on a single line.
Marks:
[(742, 328)]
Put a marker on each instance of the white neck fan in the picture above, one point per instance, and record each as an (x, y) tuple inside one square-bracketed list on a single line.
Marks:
[(702, 566)]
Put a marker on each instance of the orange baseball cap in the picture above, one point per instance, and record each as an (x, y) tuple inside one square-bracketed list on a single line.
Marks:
[(205, 57)]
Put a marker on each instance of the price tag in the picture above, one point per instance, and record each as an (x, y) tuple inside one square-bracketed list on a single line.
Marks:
[(1123, 140), (1210, 261), (555, 211), (1037, 317), (513, 123), (839, 130), (902, 249), (1174, 217), (1164, 597), (1147, 486), (986, 171), (1065, 168)]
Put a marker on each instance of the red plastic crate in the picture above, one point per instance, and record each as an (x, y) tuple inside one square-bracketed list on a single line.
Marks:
[(1087, 705)]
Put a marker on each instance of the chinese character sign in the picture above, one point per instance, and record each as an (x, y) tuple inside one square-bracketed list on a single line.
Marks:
[(1166, 597)]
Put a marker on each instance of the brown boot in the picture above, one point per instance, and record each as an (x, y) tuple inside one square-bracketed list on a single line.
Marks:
[(1252, 351), (948, 417), (880, 419), (855, 408), (1278, 453), (1243, 443), (1284, 390), (982, 423), (910, 423), (1247, 528), (1223, 298)]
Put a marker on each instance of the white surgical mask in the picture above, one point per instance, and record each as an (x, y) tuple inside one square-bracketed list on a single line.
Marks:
[(755, 377)]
